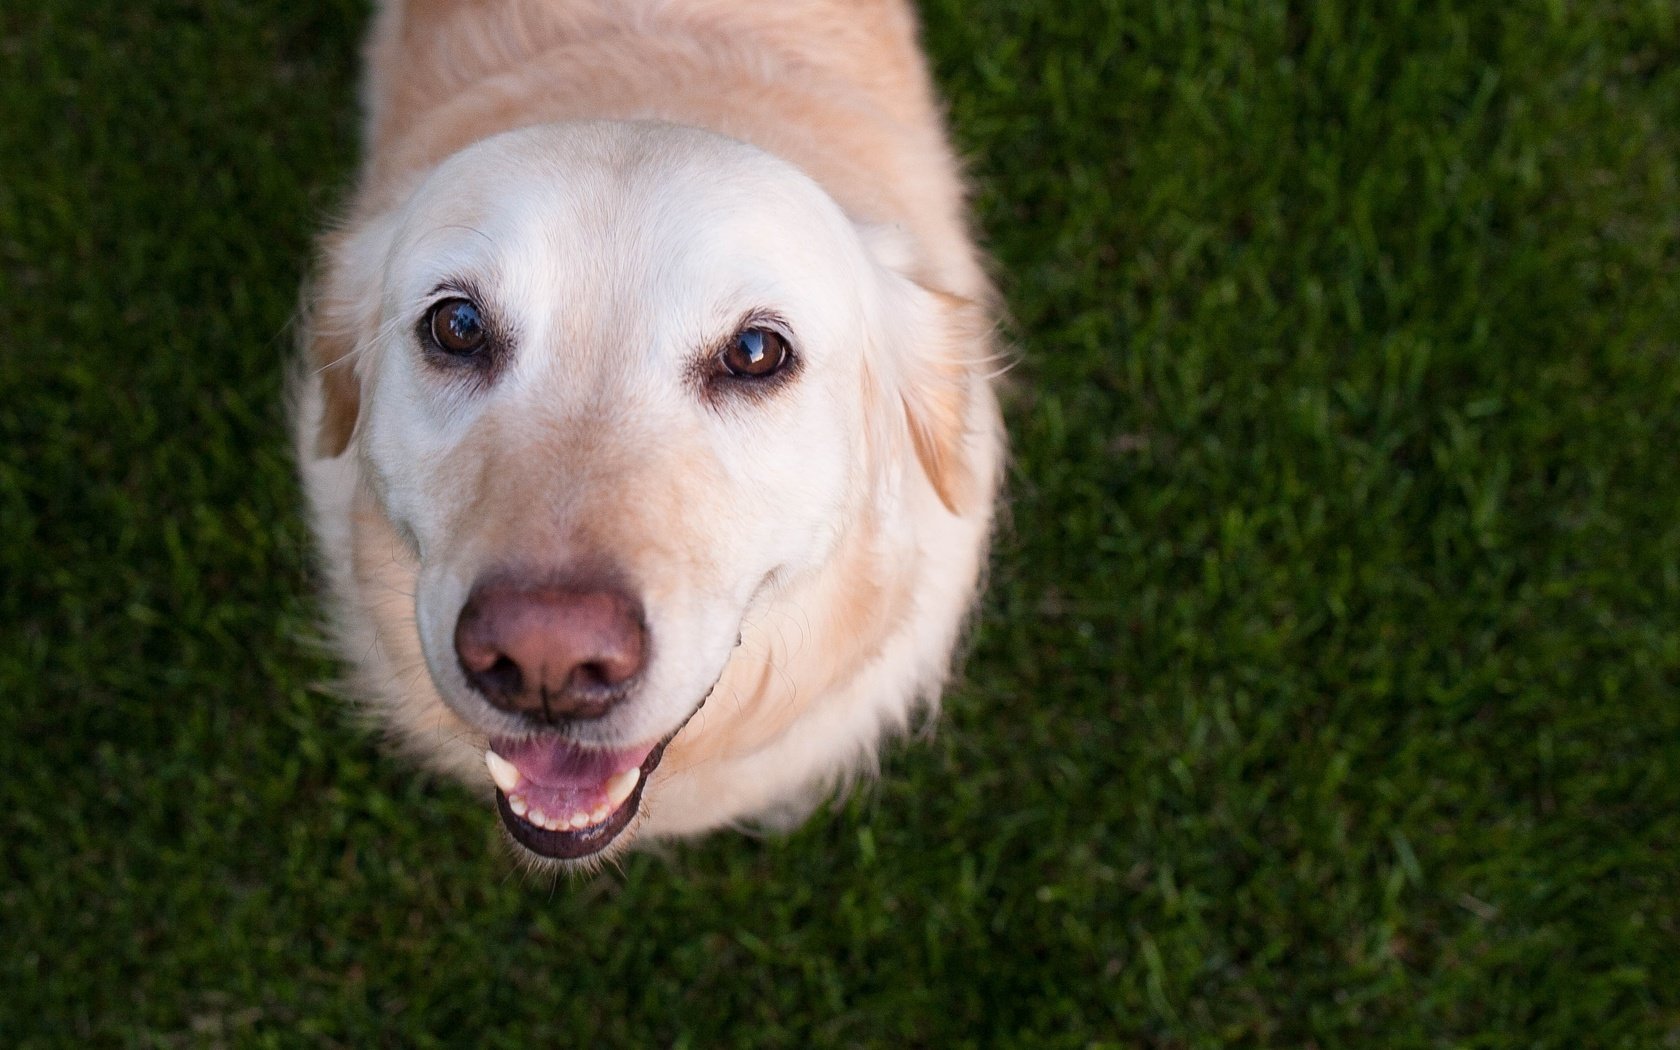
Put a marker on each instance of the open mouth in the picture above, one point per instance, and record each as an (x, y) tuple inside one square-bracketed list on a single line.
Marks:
[(567, 802)]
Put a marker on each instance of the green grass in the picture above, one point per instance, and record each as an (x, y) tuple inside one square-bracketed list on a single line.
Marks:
[(1327, 692)]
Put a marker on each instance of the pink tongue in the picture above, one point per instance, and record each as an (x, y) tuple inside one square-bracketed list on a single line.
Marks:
[(557, 776)]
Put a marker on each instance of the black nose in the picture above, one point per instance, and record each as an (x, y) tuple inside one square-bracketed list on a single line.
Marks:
[(550, 652)]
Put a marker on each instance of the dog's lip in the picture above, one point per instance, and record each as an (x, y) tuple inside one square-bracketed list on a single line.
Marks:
[(579, 843)]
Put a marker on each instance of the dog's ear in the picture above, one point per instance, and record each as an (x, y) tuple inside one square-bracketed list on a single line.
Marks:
[(933, 358), (341, 399), (341, 310), (937, 389)]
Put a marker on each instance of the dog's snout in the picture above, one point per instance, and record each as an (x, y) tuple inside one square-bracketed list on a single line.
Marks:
[(550, 652)]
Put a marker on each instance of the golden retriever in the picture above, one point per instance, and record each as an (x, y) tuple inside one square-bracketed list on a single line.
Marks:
[(646, 417)]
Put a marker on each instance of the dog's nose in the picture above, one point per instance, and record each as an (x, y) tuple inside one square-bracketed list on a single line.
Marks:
[(550, 652)]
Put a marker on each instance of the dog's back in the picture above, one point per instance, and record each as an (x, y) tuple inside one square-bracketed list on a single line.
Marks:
[(837, 87)]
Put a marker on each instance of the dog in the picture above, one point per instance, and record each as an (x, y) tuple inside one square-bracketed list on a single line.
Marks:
[(646, 412)]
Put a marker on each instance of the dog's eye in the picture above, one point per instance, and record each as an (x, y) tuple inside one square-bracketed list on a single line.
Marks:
[(755, 353), (457, 327)]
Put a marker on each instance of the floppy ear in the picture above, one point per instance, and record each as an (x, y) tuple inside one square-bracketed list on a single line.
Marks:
[(936, 391), (935, 351), (341, 309), (341, 400)]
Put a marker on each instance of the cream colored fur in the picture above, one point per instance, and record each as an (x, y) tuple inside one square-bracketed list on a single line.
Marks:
[(626, 178)]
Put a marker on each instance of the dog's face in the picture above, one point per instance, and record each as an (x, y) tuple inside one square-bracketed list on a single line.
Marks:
[(614, 387)]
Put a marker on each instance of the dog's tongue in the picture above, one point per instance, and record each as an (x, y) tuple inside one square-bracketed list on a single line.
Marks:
[(559, 777)]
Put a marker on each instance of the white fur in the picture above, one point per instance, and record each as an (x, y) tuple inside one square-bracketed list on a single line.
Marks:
[(618, 252)]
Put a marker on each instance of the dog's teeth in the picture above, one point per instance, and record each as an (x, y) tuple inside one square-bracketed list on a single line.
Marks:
[(507, 777), (620, 786), (503, 772)]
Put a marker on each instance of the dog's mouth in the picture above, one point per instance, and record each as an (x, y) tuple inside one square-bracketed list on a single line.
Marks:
[(564, 801)]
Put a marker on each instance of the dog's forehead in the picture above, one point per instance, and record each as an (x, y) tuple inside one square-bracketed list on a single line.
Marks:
[(621, 201)]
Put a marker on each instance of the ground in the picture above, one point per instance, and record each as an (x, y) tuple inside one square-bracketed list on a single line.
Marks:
[(1325, 693)]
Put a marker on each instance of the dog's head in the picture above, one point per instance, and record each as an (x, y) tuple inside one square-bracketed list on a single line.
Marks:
[(608, 393)]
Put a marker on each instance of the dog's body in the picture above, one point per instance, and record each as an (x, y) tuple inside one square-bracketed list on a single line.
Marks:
[(647, 392)]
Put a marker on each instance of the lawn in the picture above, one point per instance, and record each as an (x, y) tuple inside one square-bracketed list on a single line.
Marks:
[(1326, 693)]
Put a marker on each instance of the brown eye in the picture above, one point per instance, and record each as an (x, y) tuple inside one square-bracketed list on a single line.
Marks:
[(755, 353), (457, 327)]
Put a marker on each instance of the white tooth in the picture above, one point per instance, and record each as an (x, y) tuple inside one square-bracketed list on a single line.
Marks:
[(502, 772), (517, 804), (538, 817), (599, 814), (580, 819), (620, 786)]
